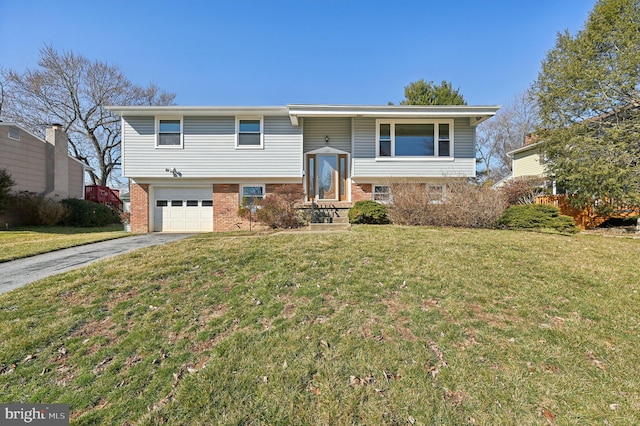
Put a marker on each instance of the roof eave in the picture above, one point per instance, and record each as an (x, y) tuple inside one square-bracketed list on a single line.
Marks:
[(476, 114)]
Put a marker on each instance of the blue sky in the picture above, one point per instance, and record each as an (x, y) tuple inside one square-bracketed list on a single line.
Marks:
[(244, 52)]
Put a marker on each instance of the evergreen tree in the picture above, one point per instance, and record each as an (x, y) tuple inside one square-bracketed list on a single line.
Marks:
[(588, 97), (426, 93)]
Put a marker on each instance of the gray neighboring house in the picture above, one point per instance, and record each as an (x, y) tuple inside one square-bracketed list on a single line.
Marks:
[(190, 167)]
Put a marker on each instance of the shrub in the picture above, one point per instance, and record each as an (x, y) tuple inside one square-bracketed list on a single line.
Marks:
[(368, 211), (278, 209), (536, 216), (86, 214), (524, 190), (6, 182), (455, 203), (29, 208)]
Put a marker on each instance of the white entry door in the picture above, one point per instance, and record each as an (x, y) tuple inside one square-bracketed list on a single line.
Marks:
[(183, 209)]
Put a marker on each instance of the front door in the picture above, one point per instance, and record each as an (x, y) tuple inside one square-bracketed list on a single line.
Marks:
[(326, 176)]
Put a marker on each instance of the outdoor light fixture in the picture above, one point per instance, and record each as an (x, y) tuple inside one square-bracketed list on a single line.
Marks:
[(326, 139), (173, 171)]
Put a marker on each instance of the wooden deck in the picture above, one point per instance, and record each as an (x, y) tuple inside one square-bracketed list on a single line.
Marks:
[(588, 218)]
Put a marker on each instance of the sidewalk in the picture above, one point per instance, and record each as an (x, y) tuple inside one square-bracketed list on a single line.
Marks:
[(18, 273)]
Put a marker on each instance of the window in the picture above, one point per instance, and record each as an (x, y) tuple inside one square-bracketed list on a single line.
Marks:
[(411, 138), (14, 133), (192, 203), (385, 140), (169, 133), (381, 193), (162, 203), (251, 195), (207, 203), (436, 194), (249, 133)]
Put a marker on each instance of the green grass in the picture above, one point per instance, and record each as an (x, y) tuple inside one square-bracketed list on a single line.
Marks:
[(380, 325), (29, 241)]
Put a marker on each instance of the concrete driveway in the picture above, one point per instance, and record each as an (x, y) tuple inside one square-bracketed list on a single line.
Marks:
[(17, 273)]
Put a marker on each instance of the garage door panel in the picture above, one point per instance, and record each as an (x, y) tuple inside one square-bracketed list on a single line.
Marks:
[(183, 209)]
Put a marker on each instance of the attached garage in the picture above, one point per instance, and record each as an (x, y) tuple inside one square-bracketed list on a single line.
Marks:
[(183, 209)]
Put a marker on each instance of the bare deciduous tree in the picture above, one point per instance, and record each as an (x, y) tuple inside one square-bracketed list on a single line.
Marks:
[(504, 133), (71, 90)]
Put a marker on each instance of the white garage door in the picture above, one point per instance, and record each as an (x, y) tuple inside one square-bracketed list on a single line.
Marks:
[(183, 209)]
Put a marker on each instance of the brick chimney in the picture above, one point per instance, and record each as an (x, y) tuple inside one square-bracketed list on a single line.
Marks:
[(530, 139), (60, 141)]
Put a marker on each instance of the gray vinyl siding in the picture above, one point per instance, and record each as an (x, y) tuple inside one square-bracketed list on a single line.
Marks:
[(338, 130), (209, 149), (366, 165)]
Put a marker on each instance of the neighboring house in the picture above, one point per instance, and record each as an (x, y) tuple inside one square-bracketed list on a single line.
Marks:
[(526, 162), (41, 166), (190, 168)]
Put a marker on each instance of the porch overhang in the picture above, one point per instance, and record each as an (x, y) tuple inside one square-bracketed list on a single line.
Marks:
[(475, 113)]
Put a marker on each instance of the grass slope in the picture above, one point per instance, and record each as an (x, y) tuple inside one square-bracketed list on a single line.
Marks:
[(381, 325)]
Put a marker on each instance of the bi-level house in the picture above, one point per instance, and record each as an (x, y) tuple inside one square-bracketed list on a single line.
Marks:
[(191, 167)]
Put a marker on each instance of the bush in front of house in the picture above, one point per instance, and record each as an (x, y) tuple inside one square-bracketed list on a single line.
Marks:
[(536, 216), (369, 212), (88, 214), (278, 209), (455, 203), (31, 209), (524, 190)]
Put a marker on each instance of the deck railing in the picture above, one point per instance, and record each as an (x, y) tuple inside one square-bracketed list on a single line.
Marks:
[(103, 195)]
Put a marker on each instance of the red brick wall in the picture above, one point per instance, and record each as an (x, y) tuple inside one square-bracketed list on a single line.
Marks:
[(226, 202), (226, 199), (139, 208), (361, 191), (272, 187)]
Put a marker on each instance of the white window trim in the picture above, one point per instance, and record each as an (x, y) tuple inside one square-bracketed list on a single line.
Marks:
[(373, 194), (157, 133), (238, 146), (241, 194), (436, 130)]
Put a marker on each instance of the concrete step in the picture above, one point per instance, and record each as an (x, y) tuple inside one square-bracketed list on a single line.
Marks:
[(340, 219)]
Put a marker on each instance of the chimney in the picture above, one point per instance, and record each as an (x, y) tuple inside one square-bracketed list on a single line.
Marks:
[(530, 139), (60, 141)]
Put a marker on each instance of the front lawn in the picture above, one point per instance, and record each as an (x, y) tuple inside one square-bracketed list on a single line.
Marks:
[(29, 241), (380, 325)]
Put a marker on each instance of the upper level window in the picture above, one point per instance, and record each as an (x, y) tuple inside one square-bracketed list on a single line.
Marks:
[(169, 132), (249, 134), (415, 138), (14, 133)]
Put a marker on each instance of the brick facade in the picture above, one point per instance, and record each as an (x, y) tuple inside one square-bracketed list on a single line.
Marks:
[(226, 202), (361, 191), (226, 199), (139, 208)]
